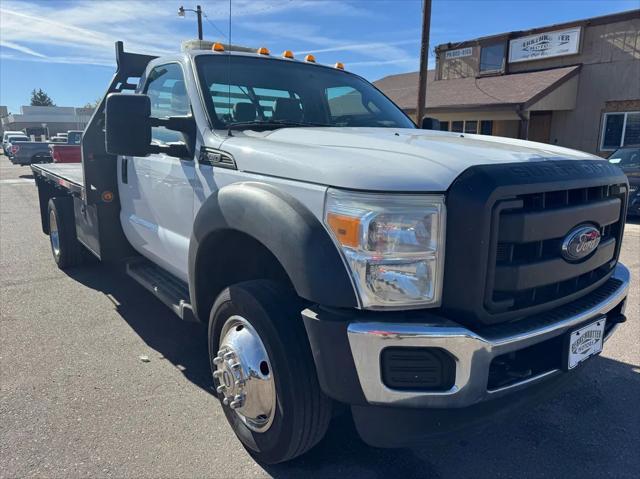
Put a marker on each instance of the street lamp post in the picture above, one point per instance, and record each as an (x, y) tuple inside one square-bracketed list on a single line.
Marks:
[(198, 12)]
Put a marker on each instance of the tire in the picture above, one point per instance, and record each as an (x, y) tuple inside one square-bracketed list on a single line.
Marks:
[(65, 247), (302, 412)]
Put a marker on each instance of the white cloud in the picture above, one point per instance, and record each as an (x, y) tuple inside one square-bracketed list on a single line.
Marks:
[(20, 48), (305, 33), (84, 31)]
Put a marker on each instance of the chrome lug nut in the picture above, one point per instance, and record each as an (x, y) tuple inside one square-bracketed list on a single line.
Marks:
[(220, 389), (237, 402), (217, 374), (225, 401), (217, 360)]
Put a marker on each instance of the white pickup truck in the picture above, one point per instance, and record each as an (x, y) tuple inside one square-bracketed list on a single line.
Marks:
[(337, 253)]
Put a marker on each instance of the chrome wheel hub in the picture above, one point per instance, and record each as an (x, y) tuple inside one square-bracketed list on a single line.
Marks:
[(243, 374), (53, 234)]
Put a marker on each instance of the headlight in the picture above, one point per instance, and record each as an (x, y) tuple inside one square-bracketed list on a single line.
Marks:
[(393, 245)]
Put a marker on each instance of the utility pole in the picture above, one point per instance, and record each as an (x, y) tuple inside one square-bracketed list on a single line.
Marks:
[(198, 12), (424, 61)]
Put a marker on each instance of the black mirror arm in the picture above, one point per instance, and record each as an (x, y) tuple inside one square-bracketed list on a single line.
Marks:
[(184, 124), (176, 150)]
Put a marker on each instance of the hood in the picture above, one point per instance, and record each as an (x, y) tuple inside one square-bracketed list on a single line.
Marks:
[(380, 159)]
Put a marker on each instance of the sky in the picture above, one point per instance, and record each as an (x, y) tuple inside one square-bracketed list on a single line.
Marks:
[(66, 47)]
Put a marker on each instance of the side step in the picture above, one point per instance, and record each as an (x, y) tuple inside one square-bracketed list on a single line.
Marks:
[(170, 290)]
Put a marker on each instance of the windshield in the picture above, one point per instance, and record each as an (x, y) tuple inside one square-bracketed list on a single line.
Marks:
[(626, 157), (14, 139), (74, 138), (259, 92), (7, 134)]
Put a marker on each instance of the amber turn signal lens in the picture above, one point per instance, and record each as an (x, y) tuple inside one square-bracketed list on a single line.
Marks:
[(287, 54), (310, 58), (218, 47), (346, 229), (339, 66), (263, 51)]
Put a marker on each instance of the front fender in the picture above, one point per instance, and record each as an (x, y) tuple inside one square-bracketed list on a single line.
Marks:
[(287, 229)]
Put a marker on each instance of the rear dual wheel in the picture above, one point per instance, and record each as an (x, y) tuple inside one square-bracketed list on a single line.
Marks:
[(65, 247), (264, 372)]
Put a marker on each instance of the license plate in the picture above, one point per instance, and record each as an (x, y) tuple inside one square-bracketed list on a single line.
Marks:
[(585, 342)]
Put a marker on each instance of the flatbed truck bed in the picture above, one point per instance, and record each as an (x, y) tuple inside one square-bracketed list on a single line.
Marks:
[(69, 176)]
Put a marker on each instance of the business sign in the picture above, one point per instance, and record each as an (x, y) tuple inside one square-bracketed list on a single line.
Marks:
[(459, 53), (544, 45)]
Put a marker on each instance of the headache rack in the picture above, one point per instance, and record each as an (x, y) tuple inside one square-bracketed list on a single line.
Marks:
[(93, 184)]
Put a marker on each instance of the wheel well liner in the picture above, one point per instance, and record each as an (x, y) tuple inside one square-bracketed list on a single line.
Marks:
[(243, 228)]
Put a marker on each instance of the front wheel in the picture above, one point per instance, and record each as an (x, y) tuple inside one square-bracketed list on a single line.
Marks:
[(264, 372)]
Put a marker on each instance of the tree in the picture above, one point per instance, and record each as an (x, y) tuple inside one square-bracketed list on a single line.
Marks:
[(94, 104), (40, 98)]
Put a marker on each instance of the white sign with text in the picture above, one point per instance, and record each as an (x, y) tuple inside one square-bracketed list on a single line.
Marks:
[(544, 45), (459, 53)]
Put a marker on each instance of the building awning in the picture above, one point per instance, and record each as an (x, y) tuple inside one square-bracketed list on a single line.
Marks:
[(518, 91)]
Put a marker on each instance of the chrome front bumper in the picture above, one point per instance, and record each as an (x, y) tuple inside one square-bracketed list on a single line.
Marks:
[(473, 352)]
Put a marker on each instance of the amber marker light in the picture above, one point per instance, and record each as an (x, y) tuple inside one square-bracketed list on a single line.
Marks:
[(263, 51), (287, 54), (217, 47), (339, 66), (345, 228), (310, 58)]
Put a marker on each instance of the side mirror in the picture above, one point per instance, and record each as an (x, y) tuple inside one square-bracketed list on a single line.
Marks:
[(128, 124), (430, 124)]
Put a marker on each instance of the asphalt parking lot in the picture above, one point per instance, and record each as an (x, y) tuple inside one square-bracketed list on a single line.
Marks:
[(77, 400)]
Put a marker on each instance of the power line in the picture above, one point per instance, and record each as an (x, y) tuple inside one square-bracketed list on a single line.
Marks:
[(213, 24)]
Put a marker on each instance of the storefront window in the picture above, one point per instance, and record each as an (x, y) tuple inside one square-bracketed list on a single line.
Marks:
[(457, 126), (486, 127), (620, 129), (444, 126), (471, 127), (492, 58)]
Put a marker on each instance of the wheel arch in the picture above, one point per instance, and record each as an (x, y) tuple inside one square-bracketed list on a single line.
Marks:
[(253, 230)]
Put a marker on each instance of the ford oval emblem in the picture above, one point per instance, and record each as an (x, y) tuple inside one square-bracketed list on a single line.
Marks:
[(580, 242)]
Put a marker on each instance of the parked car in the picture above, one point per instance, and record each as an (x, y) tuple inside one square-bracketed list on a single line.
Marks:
[(337, 253), (69, 152), (28, 152), (5, 139), (628, 158), (58, 139), (12, 143)]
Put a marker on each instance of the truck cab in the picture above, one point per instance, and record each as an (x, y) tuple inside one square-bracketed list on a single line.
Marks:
[(338, 254)]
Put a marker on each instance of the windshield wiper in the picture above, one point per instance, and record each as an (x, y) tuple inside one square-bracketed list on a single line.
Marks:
[(274, 124)]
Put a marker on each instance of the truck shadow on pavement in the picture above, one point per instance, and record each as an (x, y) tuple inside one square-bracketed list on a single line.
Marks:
[(588, 428)]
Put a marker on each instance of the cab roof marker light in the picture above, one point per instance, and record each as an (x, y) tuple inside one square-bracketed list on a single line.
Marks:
[(287, 54), (339, 65), (263, 51), (217, 47), (310, 58)]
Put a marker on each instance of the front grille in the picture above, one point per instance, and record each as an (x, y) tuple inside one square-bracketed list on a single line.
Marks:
[(527, 268)]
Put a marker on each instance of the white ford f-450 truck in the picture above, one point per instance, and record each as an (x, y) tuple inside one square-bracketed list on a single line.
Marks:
[(337, 253)]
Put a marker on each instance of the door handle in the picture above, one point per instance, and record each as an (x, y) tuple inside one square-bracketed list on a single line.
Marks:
[(125, 169)]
